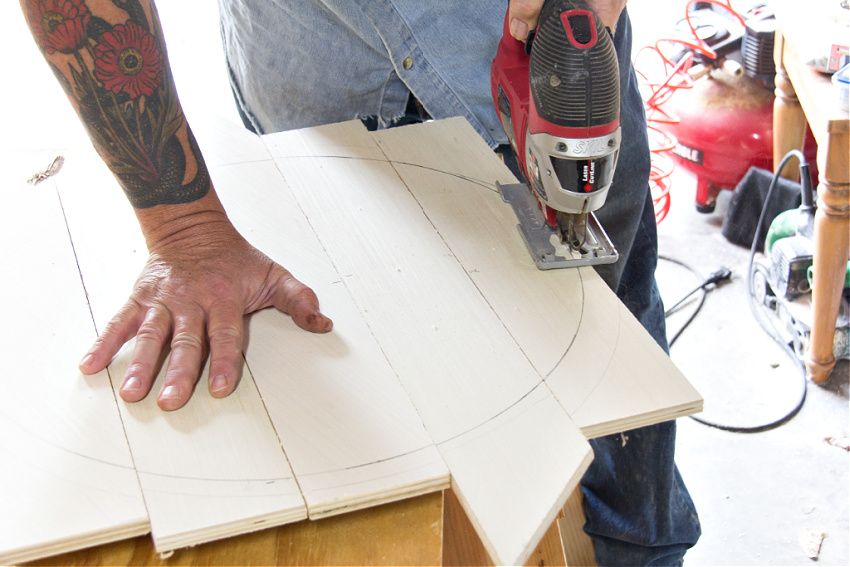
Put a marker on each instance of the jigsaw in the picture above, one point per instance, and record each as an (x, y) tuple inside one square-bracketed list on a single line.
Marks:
[(558, 98)]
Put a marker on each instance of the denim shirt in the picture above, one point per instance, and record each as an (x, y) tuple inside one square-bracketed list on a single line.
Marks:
[(296, 64), (305, 63), (302, 63)]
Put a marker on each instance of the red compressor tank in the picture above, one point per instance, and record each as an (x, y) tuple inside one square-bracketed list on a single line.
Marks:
[(725, 126)]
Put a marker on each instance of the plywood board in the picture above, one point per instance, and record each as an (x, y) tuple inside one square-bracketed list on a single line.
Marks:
[(604, 368), (67, 479), (438, 362), (381, 468), (513, 452), (349, 429), (213, 468)]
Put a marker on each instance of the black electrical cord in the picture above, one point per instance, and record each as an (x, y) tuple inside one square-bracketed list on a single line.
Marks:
[(721, 275), (768, 326)]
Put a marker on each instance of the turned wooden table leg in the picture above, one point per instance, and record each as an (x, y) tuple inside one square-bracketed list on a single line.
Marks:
[(789, 120), (832, 232)]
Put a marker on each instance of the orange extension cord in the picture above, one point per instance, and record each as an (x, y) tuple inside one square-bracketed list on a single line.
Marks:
[(656, 94)]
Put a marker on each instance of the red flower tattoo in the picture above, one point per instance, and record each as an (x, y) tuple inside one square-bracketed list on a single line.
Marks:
[(128, 60), (58, 25)]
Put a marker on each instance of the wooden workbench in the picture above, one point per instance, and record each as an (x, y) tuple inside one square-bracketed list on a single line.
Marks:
[(426, 530)]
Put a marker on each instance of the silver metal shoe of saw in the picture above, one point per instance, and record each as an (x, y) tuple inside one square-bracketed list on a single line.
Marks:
[(569, 179), (546, 244)]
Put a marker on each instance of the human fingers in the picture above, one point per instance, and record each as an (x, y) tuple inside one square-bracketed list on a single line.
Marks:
[(522, 17), (226, 336), (151, 339), (187, 355), (300, 302), (118, 331), (608, 11)]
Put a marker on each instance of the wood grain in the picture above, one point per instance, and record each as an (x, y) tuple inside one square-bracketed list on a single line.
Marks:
[(603, 367), (578, 547), (349, 429), (67, 479), (495, 423), (402, 533), (211, 469)]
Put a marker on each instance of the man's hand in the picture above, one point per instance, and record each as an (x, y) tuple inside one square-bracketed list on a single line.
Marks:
[(199, 282), (523, 14), (202, 277)]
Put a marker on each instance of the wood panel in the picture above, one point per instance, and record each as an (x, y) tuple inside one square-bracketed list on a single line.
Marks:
[(375, 448), (463, 547), (512, 451), (349, 429), (67, 479), (438, 362), (402, 533), (604, 368), (213, 468)]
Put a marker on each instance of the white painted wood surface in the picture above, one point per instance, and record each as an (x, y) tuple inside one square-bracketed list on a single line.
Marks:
[(513, 452), (451, 351), (236, 478), (348, 427), (66, 475), (215, 467), (601, 364)]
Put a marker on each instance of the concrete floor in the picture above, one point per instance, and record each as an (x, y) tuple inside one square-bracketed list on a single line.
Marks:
[(755, 492)]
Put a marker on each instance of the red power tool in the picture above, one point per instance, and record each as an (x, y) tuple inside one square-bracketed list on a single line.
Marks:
[(558, 98)]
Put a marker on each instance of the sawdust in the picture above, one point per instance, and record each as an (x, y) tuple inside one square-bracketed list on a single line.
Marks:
[(811, 541), (840, 441)]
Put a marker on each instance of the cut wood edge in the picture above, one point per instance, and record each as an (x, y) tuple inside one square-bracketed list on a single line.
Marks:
[(225, 530), (76, 543), (372, 499), (641, 420)]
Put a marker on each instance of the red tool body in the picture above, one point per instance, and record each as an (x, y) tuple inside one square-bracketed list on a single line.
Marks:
[(558, 99)]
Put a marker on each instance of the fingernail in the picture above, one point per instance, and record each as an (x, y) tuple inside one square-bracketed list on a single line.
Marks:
[(218, 384), (86, 361), (519, 29), (169, 393), (320, 321), (131, 384)]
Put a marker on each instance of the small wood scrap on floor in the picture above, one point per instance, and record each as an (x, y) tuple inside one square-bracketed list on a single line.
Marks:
[(840, 441), (811, 540)]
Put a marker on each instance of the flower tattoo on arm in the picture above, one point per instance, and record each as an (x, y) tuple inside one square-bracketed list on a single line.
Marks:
[(110, 57)]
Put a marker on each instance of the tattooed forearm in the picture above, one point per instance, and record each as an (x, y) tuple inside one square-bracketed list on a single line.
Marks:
[(109, 56)]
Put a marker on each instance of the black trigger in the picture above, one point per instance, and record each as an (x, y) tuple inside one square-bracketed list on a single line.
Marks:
[(529, 40)]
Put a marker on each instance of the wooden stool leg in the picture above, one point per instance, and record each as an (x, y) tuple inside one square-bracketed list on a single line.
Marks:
[(578, 547), (832, 232)]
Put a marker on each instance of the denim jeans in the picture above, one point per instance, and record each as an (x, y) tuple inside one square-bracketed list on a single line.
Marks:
[(299, 64)]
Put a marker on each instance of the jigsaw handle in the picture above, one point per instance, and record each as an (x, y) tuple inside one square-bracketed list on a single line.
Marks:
[(573, 72)]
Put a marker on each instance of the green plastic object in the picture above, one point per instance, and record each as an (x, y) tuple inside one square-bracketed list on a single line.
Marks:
[(810, 276), (785, 225)]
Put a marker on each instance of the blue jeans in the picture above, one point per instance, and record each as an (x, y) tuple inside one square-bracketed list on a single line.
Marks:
[(639, 511), (297, 64)]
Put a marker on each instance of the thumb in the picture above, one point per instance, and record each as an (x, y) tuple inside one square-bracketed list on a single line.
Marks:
[(302, 304), (522, 17)]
